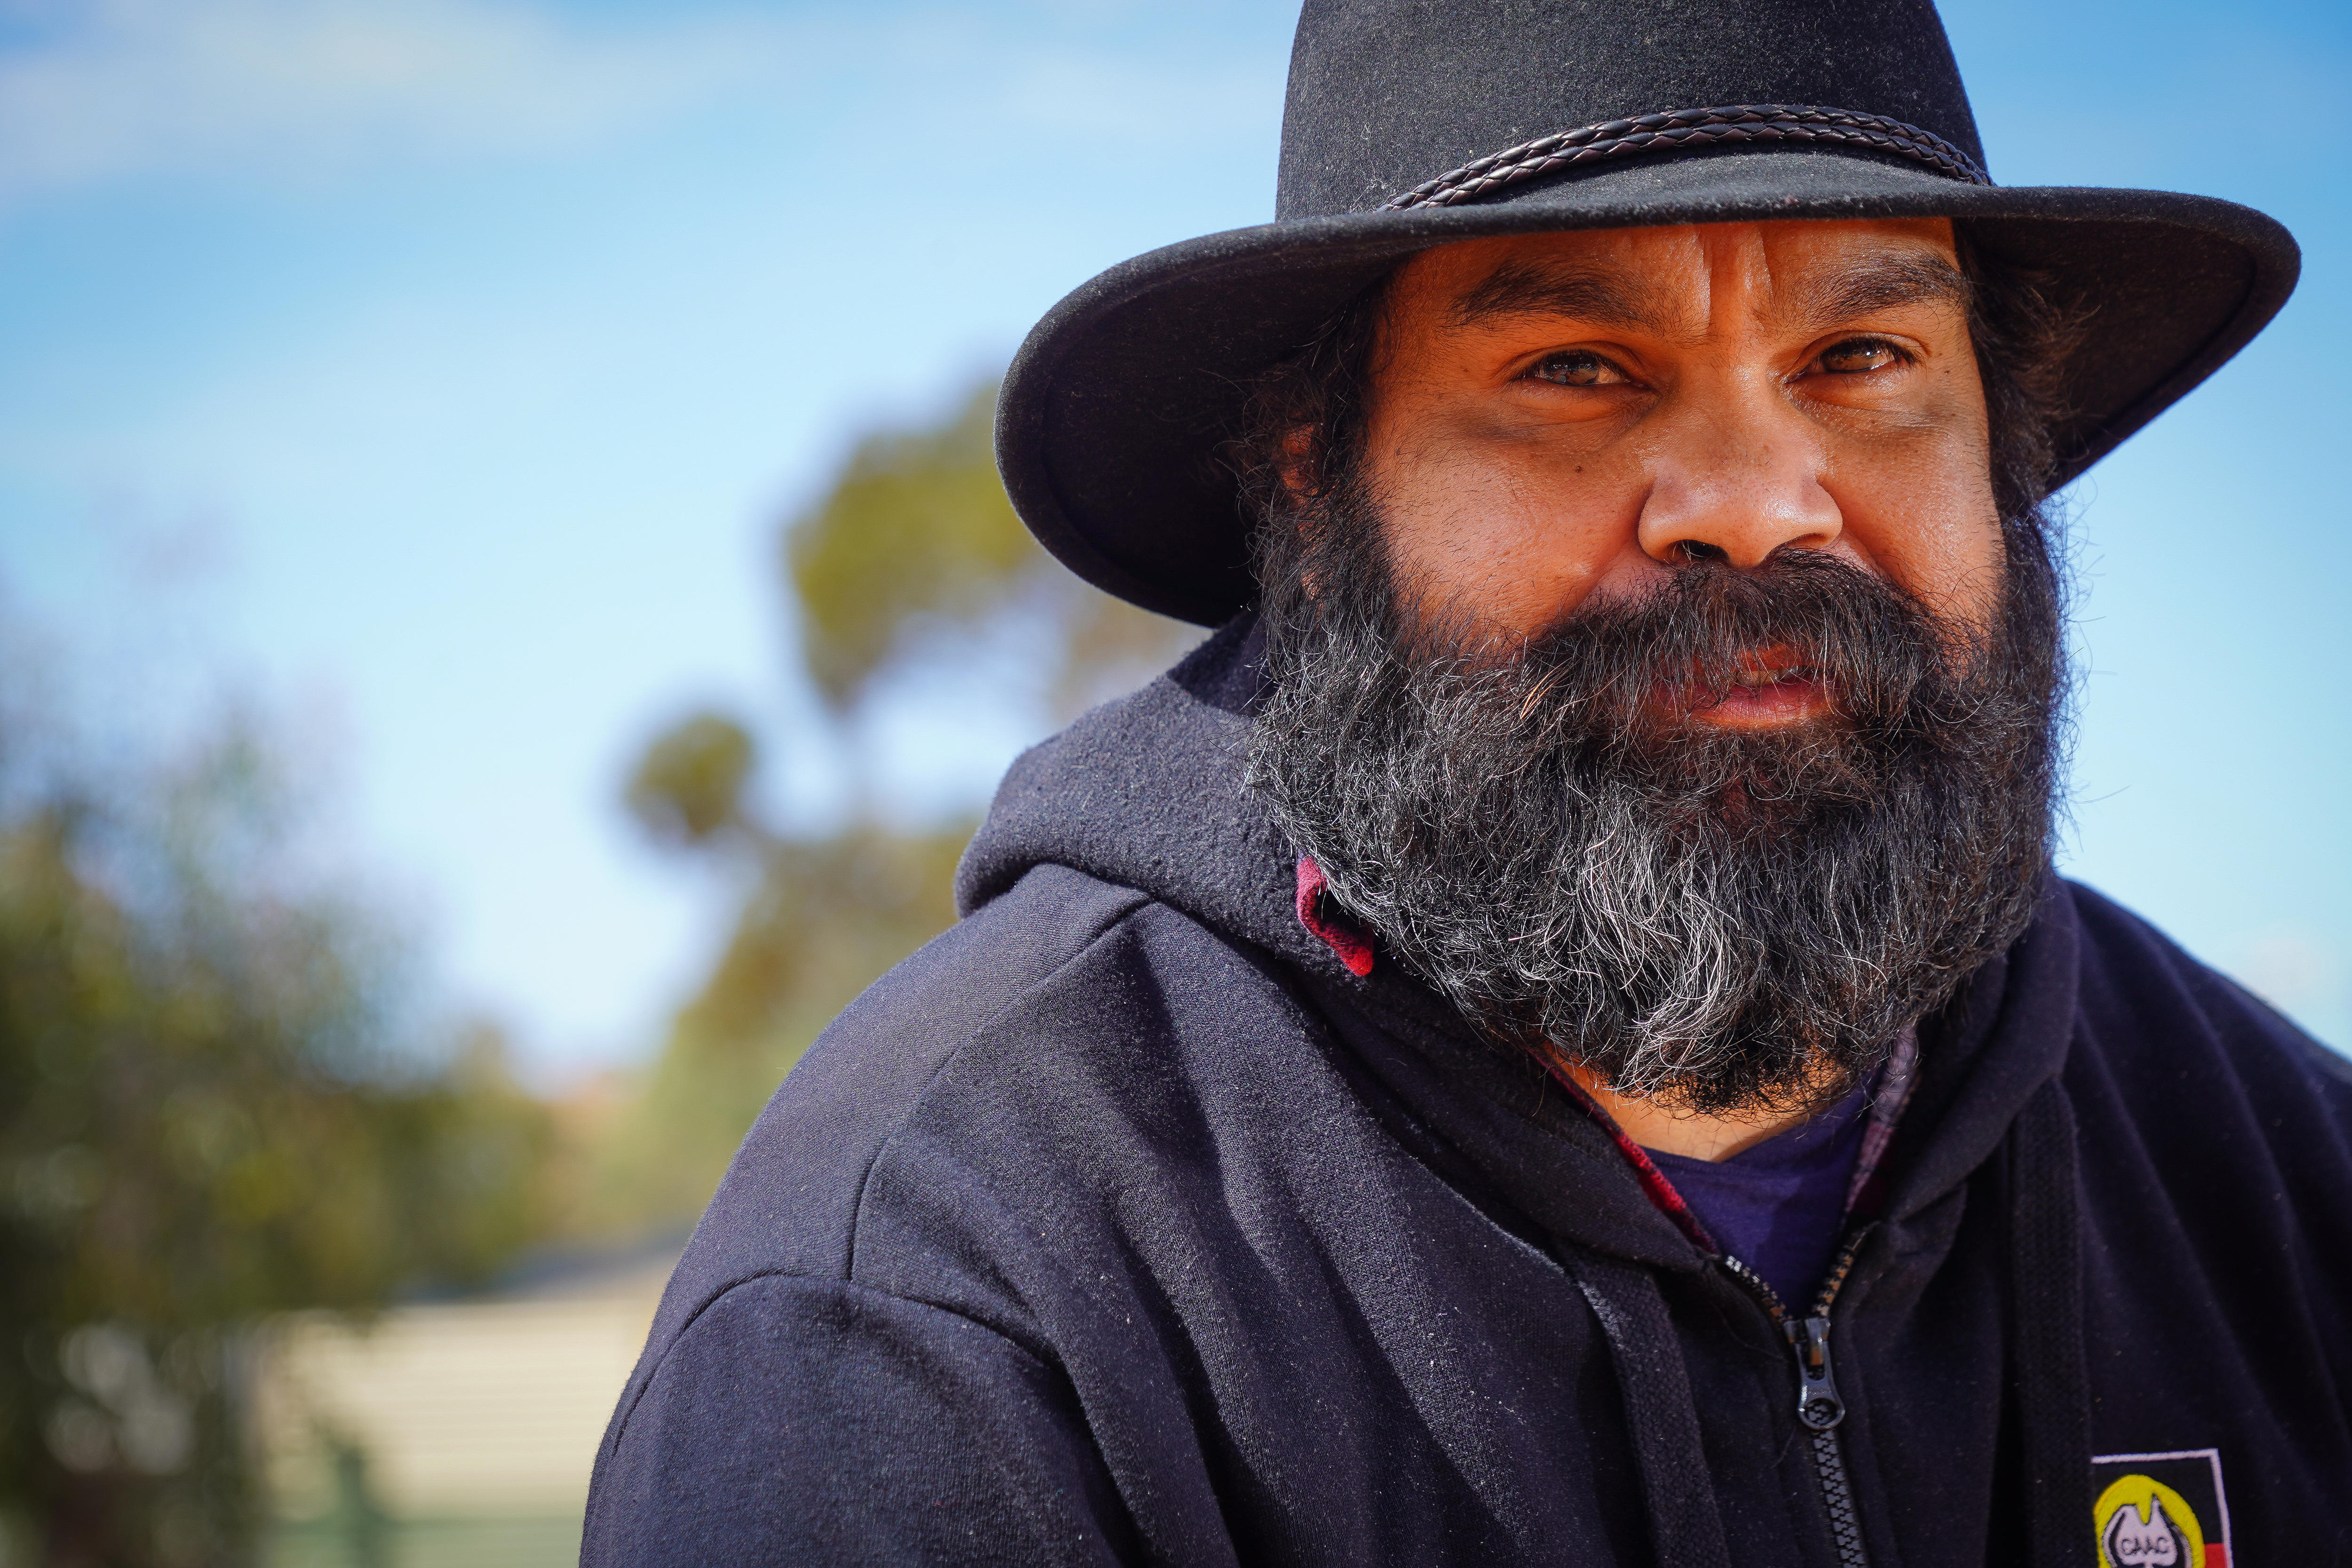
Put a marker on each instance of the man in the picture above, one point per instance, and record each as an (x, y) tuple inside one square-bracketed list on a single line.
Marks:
[(1553, 1036)]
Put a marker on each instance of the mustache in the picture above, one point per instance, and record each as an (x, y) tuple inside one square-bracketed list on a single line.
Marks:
[(1644, 667)]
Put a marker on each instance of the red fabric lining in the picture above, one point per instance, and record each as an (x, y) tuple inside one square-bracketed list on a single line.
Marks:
[(1347, 939), (1654, 1185), (1340, 933)]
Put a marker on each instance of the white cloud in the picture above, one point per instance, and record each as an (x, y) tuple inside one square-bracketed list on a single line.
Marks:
[(304, 87)]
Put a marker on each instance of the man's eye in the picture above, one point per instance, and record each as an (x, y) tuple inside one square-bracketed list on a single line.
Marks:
[(1577, 368), (1860, 355)]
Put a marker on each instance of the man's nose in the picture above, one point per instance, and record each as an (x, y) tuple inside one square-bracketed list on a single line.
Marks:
[(1736, 487)]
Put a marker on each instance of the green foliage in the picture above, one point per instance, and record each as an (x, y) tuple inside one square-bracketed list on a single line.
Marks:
[(691, 780), (912, 557), (917, 546), (825, 917), (200, 1123), (916, 533)]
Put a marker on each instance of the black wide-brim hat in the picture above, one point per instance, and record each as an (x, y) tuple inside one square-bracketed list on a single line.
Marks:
[(1413, 123)]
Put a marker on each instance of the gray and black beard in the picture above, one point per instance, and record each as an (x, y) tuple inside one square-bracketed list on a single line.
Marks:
[(1730, 921)]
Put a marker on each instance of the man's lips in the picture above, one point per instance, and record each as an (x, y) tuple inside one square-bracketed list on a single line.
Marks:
[(1770, 687), (1786, 701)]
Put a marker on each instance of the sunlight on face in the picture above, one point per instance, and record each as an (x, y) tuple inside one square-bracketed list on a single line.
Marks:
[(1556, 417)]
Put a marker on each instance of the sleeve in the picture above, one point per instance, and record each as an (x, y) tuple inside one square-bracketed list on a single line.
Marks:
[(814, 1421)]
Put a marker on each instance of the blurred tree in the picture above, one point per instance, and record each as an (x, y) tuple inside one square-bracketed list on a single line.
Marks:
[(822, 917), (825, 917), (201, 1121), (911, 561), (690, 786), (916, 551)]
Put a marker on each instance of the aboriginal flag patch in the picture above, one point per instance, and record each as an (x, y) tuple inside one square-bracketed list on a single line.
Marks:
[(2162, 1510)]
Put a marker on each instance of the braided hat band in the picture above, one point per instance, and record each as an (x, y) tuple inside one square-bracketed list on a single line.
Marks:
[(1763, 122)]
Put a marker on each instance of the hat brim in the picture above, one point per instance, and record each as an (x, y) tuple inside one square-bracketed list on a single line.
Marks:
[(1112, 412)]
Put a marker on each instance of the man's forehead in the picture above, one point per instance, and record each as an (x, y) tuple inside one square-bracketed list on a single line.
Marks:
[(1660, 280)]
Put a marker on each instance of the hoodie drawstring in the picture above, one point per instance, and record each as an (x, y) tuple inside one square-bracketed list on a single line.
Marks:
[(2046, 1304), (1684, 1528)]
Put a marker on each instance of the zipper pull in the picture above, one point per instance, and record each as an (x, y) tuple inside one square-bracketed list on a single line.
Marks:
[(1817, 1404)]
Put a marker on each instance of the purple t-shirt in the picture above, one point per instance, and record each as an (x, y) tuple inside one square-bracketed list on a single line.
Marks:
[(1779, 1207)]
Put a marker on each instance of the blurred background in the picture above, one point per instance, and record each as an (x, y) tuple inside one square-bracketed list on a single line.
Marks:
[(506, 620)]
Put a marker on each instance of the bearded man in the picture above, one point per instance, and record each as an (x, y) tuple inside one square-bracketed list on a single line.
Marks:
[(1553, 1036)]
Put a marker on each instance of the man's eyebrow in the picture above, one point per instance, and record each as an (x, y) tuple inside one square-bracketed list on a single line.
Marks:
[(1533, 289), (1883, 283)]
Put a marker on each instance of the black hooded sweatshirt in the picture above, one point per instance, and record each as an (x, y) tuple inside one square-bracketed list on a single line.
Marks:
[(1125, 1223)]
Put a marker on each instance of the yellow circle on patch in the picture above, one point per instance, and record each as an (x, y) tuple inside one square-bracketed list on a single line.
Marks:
[(2143, 1523)]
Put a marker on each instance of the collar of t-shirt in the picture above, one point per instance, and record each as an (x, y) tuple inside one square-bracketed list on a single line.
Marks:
[(1779, 1207)]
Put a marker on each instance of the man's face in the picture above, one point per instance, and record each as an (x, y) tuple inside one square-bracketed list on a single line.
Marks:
[(1658, 678), (1563, 419)]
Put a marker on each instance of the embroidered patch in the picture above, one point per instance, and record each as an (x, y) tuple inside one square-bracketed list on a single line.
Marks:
[(2162, 1510)]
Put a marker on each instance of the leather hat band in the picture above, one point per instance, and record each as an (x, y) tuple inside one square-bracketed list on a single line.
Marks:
[(1757, 122)]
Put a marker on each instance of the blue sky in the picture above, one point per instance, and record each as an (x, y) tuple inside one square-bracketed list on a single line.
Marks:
[(439, 371)]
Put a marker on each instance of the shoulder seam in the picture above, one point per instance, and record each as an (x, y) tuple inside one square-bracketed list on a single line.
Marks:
[(1125, 911), (636, 1396)]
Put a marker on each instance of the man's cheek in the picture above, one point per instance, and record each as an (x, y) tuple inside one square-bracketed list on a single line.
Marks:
[(1930, 526), (1514, 554)]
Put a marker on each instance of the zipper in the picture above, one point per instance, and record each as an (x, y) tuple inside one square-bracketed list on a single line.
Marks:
[(1820, 1406)]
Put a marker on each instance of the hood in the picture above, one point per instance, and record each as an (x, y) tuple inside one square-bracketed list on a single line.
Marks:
[(1148, 793)]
